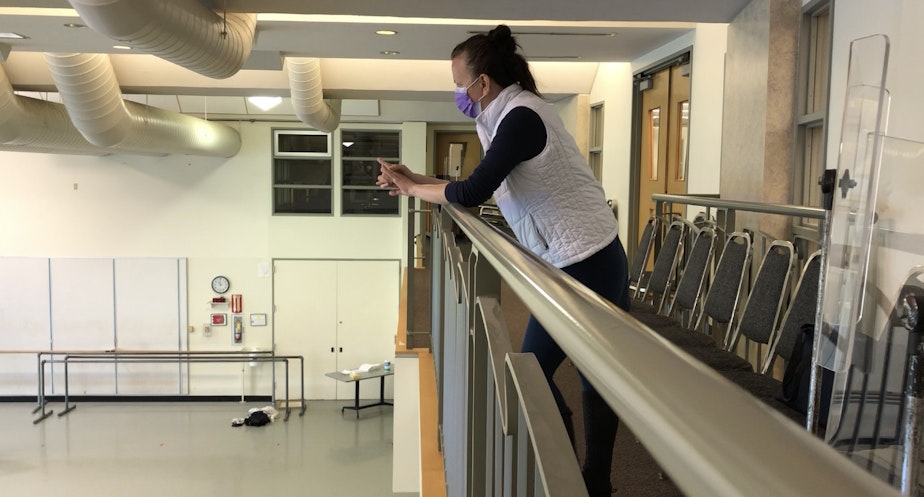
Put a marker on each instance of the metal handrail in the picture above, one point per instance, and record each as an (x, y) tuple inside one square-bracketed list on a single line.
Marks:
[(689, 417), (741, 205)]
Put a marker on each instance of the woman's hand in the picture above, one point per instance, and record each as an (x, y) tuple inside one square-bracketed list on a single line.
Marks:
[(399, 168), (383, 180), (402, 181), (396, 177)]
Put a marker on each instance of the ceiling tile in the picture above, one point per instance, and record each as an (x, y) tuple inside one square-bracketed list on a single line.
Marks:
[(195, 104)]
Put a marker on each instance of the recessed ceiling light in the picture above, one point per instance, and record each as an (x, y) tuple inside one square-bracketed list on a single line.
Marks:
[(389, 52), (121, 47), (73, 25), (386, 32), (265, 103), (13, 36)]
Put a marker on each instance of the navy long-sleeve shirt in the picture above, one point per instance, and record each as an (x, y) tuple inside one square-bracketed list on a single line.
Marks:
[(520, 136)]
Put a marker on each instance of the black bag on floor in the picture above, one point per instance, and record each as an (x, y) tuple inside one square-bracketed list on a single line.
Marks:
[(257, 418), (798, 375)]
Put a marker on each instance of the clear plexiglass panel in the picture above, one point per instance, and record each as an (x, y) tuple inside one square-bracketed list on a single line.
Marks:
[(871, 418), (847, 245)]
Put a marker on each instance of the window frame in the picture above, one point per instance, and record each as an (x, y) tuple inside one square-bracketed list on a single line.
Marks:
[(342, 160), (812, 106), (595, 146), (313, 156)]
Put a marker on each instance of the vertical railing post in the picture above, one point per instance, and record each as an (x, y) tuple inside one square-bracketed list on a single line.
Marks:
[(411, 301), (914, 398), (452, 399), (460, 370), (484, 282), (513, 450), (478, 361), (455, 353)]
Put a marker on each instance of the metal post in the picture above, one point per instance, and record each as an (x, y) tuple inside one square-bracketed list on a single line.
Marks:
[(411, 300), (38, 391), (42, 402), (67, 406), (301, 361), (826, 181), (286, 418), (914, 398)]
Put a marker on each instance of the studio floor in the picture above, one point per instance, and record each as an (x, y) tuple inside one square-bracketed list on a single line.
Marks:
[(190, 449)]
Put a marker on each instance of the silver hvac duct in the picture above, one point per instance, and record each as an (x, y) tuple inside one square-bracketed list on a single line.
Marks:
[(307, 94), (91, 94), (31, 125), (184, 32)]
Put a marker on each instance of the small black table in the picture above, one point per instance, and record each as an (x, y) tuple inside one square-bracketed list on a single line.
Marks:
[(376, 373)]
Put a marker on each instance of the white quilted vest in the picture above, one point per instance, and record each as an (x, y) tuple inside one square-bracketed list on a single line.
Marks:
[(552, 202)]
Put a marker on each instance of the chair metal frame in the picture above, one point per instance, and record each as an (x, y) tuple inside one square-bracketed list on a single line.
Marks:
[(732, 238), (707, 234), (645, 249), (731, 338), (777, 335), (673, 261), (701, 220)]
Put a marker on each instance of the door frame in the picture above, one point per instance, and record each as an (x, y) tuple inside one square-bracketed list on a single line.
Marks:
[(680, 57), (339, 388)]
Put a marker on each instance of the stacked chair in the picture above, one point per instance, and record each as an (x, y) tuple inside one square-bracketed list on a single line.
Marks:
[(665, 266), (801, 311), (692, 283), (700, 314), (640, 261), (721, 303), (762, 310)]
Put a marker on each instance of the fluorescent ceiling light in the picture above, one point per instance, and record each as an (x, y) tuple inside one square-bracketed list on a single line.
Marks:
[(121, 47), (265, 103), (12, 36), (389, 52), (386, 32)]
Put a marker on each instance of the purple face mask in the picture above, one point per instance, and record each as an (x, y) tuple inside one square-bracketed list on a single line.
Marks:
[(465, 104)]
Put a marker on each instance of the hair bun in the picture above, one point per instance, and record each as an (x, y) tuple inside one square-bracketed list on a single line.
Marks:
[(501, 38)]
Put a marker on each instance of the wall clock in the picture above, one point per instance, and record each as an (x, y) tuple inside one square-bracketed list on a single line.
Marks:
[(220, 284)]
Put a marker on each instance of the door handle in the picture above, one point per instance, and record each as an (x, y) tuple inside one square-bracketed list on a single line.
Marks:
[(332, 350)]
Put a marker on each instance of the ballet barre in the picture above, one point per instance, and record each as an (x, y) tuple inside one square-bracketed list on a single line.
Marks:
[(162, 356)]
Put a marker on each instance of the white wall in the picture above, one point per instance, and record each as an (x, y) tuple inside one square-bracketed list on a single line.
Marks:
[(613, 87), (900, 21), (215, 212), (707, 88)]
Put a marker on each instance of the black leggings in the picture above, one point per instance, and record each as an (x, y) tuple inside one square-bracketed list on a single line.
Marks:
[(607, 274)]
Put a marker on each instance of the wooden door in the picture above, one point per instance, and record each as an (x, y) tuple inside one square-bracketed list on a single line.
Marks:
[(442, 156), (663, 149), (653, 164), (677, 137)]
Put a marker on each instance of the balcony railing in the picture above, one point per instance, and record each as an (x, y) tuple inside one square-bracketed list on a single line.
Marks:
[(501, 433)]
